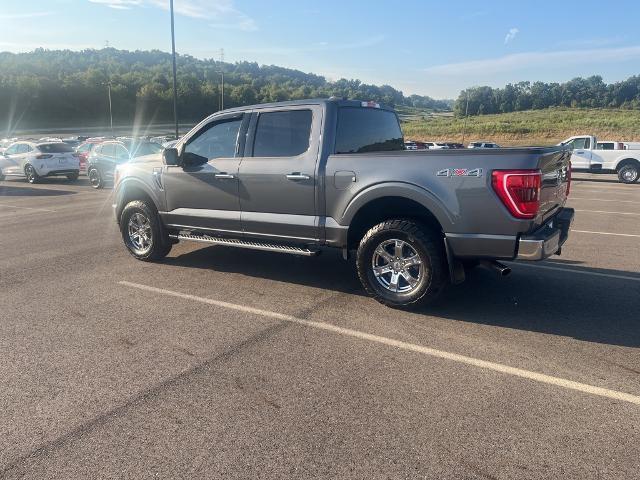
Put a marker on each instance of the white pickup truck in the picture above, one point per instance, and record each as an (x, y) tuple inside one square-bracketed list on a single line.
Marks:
[(587, 157)]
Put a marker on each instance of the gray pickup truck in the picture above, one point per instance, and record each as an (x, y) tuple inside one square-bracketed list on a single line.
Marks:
[(296, 177)]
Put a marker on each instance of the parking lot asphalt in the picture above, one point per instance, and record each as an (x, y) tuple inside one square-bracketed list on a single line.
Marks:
[(225, 363)]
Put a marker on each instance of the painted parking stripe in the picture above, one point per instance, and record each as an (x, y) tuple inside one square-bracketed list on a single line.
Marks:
[(26, 208), (603, 211), (432, 352), (579, 272), (605, 233), (603, 200)]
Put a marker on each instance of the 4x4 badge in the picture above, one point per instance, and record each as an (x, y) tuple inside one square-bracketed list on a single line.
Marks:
[(459, 172)]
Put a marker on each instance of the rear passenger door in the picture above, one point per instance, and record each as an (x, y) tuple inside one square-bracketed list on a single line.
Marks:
[(278, 174)]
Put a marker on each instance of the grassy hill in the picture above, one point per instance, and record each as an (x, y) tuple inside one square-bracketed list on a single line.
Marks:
[(533, 127)]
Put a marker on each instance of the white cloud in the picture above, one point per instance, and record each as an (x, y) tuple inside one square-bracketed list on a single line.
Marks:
[(12, 16), (118, 4), (511, 34), (528, 60), (223, 12)]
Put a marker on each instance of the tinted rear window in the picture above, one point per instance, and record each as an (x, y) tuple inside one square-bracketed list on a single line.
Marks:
[(55, 148), (367, 130), (282, 134)]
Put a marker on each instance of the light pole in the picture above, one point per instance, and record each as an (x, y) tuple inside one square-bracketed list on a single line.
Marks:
[(175, 83), (108, 84), (222, 91)]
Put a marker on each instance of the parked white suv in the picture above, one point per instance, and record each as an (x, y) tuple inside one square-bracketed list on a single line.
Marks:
[(36, 160)]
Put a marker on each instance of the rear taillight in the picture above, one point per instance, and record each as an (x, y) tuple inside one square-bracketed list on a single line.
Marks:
[(519, 190), (44, 156)]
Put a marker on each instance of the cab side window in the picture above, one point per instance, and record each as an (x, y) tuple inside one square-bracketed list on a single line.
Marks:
[(121, 153), (216, 140), (108, 150), (12, 150), (282, 134)]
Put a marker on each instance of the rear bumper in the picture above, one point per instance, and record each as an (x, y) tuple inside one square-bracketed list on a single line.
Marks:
[(65, 171), (548, 239)]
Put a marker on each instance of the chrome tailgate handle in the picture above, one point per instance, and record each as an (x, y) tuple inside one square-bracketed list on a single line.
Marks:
[(224, 175)]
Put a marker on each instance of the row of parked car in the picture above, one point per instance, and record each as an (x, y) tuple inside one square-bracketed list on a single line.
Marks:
[(97, 157), (417, 145)]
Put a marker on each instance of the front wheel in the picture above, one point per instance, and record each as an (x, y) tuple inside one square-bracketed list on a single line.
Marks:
[(31, 174), (95, 179), (629, 173), (142, 232), (402, 263)]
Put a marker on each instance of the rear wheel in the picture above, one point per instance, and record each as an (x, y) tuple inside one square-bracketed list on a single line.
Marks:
[(31, 174), (402, 263), (629, 173), (73, 177), (142, 231), (95, 179)]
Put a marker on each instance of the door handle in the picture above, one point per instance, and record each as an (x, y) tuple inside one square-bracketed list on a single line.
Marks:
[(298, 176), (224, 175), (580, 152)]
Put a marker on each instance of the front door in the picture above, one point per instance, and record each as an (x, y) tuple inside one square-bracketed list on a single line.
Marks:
[(203, 192), (581, 155), (12, 162), (278, 174)]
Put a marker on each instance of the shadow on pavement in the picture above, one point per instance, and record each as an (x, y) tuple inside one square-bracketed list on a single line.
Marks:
[(24, 189), (584, 307)]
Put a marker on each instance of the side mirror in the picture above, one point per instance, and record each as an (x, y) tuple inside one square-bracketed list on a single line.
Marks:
[(171, 157)]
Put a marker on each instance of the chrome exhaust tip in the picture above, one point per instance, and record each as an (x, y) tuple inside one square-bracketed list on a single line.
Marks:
[(501, 269)]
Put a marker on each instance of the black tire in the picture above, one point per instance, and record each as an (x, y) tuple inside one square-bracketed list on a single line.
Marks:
[(629, 173), (159, 241), (2, 177), (73, 177), (31, 174), (95, 178), (415, 238)]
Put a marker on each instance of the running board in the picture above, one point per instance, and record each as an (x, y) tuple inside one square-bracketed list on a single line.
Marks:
[(232, 242)]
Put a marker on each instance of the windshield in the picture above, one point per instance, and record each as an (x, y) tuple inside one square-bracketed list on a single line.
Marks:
[(142, 149)]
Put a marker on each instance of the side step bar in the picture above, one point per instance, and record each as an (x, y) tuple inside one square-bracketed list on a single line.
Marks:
[(232, 242)]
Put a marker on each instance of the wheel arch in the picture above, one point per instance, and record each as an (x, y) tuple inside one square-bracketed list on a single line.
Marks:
[(627, 161), (130, 189), (393, 201)]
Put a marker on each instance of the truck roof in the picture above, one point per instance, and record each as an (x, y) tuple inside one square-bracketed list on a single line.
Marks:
[(340, 102)]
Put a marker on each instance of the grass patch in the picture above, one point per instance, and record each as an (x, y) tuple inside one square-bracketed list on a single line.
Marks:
[(533, 127)]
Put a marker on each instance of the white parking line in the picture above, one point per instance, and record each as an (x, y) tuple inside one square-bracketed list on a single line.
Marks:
[(603, 200), (602, 211), (604, 191), (580, 272), (454, 357), (27, 208), (605, 233)]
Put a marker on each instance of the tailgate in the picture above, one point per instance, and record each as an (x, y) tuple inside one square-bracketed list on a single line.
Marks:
[(556, 175)]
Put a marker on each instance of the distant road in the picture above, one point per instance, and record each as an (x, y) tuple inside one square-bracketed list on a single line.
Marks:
[(118, 130)]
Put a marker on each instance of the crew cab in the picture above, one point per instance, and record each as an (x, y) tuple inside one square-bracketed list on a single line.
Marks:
[(298, 177), (587, 157)]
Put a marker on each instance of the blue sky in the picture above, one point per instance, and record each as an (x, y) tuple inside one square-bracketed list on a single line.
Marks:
[(432, 48)]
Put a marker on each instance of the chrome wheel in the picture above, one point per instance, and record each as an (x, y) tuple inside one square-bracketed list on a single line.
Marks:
[(397, 266), (140, 235), (30, 173), (629, 175), (94, 178)]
